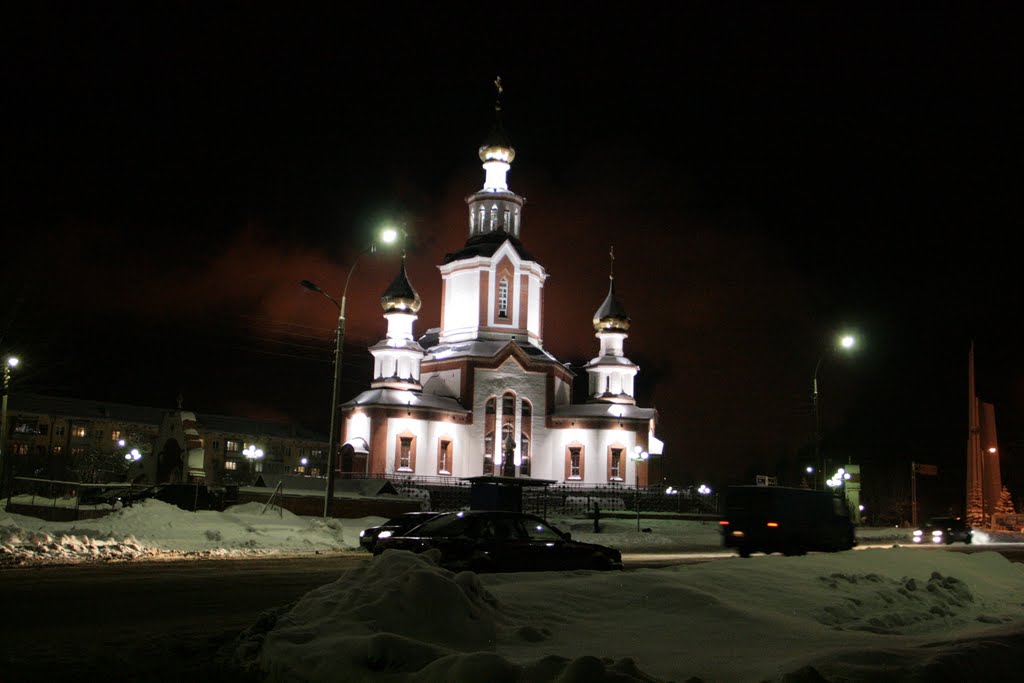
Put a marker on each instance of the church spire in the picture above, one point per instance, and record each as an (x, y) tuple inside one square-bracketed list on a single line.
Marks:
[(495, 208), (397, 357), (497, 152), (611, 373), (611, 316)]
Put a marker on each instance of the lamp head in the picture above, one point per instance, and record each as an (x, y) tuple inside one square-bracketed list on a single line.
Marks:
[(311, 286), (13, 361)]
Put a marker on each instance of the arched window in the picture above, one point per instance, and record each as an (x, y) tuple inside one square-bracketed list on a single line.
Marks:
[(480, 223), (525, 434), (489, 421), (574, 461), (444, 456), (405, 453), (503, 298), (616, 462), (494, 216)]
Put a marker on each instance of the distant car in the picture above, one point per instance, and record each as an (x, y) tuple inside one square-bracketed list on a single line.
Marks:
[(393, 527), (944, 530), (495, 541)]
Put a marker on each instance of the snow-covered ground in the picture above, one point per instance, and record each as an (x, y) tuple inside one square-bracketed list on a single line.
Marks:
[(881, 613)]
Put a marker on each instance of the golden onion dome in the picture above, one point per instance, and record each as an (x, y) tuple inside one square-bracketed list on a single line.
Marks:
[(400, 297)]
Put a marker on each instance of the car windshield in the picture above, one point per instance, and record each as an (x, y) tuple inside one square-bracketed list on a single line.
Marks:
[(445, 525), (942, 521)]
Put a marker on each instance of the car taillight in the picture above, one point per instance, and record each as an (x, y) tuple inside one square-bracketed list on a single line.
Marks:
[(724, 522), (773, 524)]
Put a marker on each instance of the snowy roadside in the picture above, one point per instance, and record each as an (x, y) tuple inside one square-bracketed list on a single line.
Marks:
[(153, 530)]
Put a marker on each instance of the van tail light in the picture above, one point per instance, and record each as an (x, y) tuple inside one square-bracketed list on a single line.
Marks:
[(773, 525), (723, 522)]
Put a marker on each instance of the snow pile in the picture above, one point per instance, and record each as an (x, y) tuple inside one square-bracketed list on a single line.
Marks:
[(403, 616), (151, 528), (857, 615)]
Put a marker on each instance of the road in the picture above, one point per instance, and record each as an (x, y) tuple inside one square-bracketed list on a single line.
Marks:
[(166, 621)]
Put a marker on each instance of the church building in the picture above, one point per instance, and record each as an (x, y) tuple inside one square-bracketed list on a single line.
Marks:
[(480, 395)]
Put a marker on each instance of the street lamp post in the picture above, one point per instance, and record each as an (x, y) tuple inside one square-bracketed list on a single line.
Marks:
[(387, 236), (9, 365), (638, 456), (846, 343)]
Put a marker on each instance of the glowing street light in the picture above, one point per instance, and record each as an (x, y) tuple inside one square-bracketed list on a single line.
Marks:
[(133, 455), (638, 456), (388, 235), (12, 362), (845, 342), (252, 452)]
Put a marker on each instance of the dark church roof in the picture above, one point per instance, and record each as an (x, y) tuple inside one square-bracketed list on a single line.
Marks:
[(486, 244)]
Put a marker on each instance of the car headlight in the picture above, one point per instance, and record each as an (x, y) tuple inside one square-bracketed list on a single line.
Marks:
[(937, 532), (384, 534), (918, 532), (362, 533)]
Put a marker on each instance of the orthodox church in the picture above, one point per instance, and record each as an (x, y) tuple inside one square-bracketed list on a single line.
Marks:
[(479, 395)]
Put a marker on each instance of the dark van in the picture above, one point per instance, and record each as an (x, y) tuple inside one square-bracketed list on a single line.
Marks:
[(775, 519)]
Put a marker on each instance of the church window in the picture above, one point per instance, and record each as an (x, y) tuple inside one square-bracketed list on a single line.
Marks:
[(494, 216), (505, 223), (526, 433), (405, 458), (490, 410), (472, 221), (574, 461), (503, 298), (517, 223), (481, 221), (444, 456), (615, 460)]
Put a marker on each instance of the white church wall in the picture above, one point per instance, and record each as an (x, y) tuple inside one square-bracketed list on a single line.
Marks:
[(530, 386), (461, 306), (533, 312)]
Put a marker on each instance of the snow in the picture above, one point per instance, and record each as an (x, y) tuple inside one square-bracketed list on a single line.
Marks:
[(888, 611)]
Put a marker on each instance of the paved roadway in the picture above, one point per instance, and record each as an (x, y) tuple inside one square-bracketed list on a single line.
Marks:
[(166, 621)]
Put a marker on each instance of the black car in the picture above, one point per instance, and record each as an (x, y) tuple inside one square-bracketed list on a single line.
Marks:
[(495, 541), (944, 530), (393, 527)]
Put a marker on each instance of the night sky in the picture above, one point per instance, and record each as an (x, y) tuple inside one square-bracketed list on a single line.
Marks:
[(768, 177)]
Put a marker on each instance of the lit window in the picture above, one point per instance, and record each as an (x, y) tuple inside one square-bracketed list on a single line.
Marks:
[(78, 432), (490, 410), (503, 298), (615, 464), (494, 216), (444, 457), (507, 224), (405, 452), (232, 446), (574, 462), (21, 449), (230, 465), (115, 435), (57, 450), (77, 452)]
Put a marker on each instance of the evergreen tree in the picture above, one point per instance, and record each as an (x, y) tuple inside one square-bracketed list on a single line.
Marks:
[(1005, 504), (975, 511)]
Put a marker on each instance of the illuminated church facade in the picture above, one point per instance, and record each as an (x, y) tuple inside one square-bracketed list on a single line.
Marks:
[(480, 395)]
